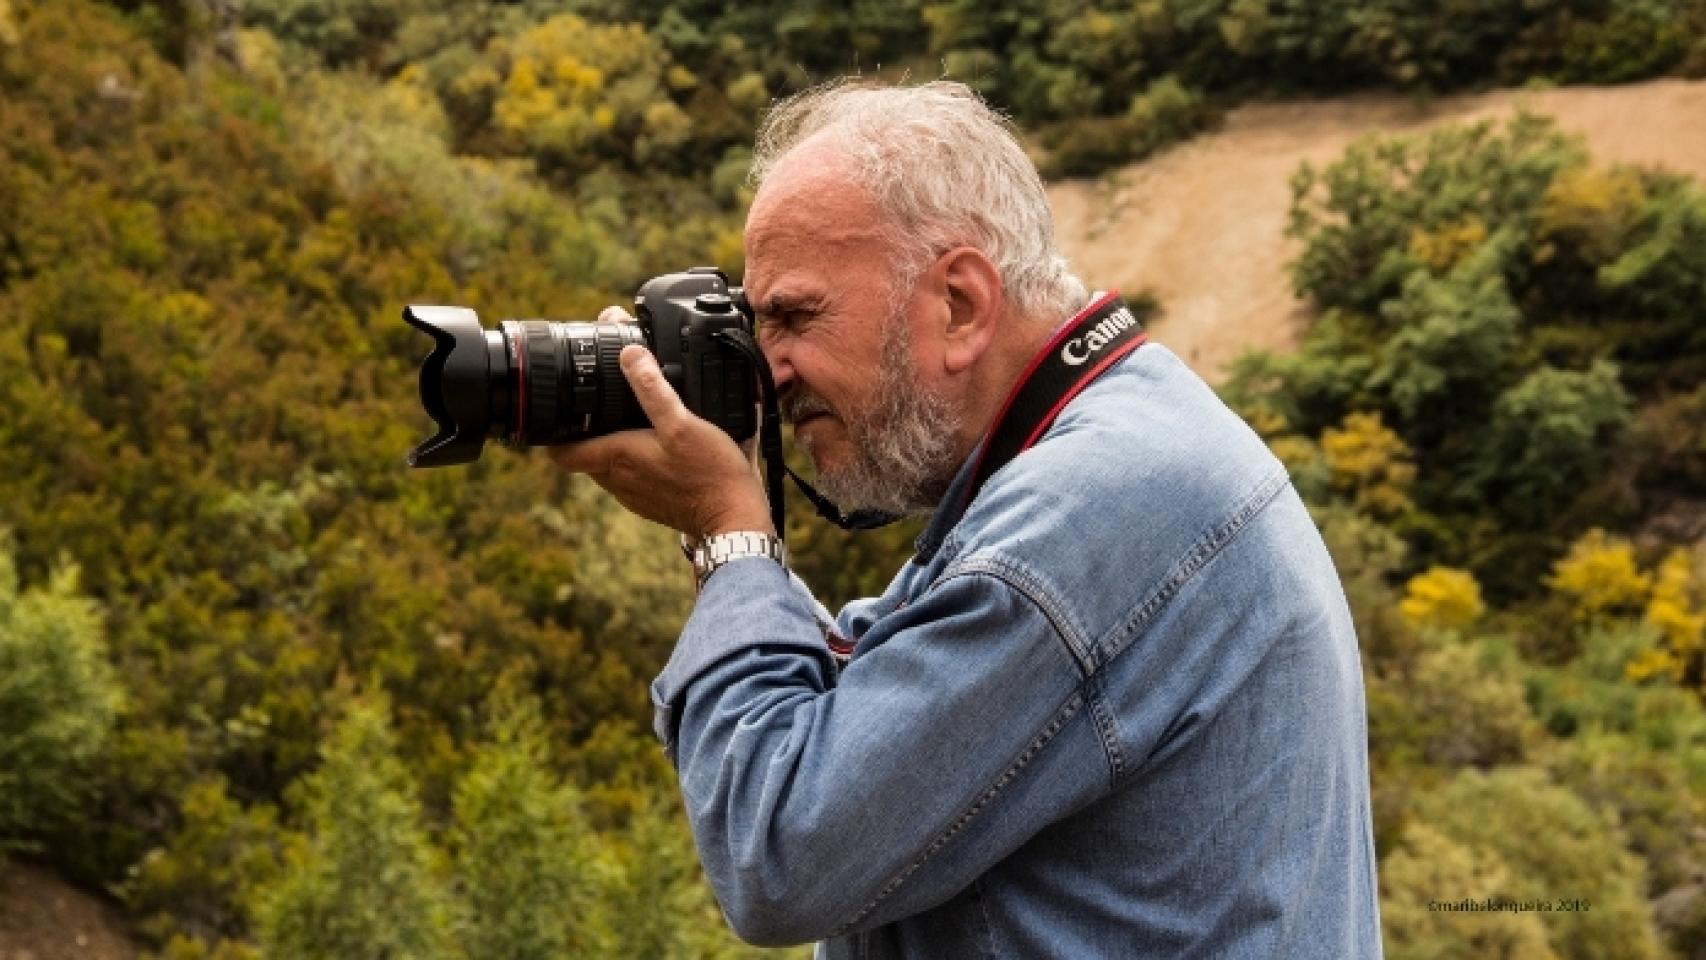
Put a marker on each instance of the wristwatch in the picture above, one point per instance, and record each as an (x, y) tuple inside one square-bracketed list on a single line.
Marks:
[(720, 548)]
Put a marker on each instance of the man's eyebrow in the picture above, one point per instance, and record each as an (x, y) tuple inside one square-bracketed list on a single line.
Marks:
[(779, 303)]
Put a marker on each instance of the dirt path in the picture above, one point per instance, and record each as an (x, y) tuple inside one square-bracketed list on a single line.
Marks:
[(1202, 225)]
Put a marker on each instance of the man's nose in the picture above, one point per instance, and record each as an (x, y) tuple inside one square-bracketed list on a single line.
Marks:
[(781, 367)]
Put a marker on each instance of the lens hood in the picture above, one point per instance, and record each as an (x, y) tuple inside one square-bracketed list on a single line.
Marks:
[(455, 385)]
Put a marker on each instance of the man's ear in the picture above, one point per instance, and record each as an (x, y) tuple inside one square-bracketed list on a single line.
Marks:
[(971, 287)]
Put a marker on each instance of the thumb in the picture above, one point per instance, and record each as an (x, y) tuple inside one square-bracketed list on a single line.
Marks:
[(657, 398)]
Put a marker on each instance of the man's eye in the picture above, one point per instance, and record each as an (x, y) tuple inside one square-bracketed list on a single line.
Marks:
[(786, 320)]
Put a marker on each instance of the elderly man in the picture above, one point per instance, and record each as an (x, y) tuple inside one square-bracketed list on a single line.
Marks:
[(1112, 708)]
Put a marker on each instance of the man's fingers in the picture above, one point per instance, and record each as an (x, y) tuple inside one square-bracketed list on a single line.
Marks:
[(614, 315), (590, 457), (657, 398)]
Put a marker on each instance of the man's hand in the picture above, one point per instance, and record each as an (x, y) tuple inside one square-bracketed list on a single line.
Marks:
[(684, 472)]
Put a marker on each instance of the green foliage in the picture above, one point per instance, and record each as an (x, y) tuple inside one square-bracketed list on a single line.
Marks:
[(1548, 845), (1652, 794), (338, 30), (367, 884), (1472, 291), (522, 850), (1359, 217), (1476, 333), (211, 426), (1468, 706), (1450, 336), (1548, 434), (1430, 867), (203, 875), (58, 701), (208, 391), (1165, 112), (1590, 694), (1103, 82)]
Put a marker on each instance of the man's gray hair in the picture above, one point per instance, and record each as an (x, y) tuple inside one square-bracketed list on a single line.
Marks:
[(945, 170)]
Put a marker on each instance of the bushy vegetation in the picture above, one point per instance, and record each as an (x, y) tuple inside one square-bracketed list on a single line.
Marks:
[(208, 394), (1504, 335), (1520, 323), (58, 702), (257, 674), (661, 85)]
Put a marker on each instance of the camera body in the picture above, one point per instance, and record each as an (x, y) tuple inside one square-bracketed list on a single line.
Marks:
[(542, 382), (683, 314)]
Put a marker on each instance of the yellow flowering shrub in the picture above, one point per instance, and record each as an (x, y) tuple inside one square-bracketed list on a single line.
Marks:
[(575, 88), (1370, 463), (1677, 616), (1443, 598), (1600, 577)]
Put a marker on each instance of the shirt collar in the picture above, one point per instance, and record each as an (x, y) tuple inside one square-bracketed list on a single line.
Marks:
[(948, 510)]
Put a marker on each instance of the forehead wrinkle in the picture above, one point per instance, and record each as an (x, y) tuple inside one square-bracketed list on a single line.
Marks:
[(802, 263)]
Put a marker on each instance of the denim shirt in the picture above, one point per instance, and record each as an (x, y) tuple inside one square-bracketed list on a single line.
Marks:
[(1114, 710)]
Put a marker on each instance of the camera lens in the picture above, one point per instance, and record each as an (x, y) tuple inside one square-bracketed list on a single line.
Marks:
[(568, 382), (526, 383)]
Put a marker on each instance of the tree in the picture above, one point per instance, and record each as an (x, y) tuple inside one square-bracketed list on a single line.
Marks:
[(1451, 338), (366, 885), (1549, 435), (58, 701), (524, 854), (338, 31)]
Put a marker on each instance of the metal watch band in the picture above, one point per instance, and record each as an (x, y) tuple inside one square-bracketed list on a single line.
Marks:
[(720, 548)]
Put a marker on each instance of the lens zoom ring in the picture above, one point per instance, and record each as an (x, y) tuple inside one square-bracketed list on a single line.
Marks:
[(544, 376)]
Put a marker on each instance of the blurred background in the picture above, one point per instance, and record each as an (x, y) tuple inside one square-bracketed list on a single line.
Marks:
[(265, 692)]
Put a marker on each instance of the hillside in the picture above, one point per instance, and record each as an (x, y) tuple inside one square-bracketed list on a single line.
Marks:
[(271, 693), (1202, 226)]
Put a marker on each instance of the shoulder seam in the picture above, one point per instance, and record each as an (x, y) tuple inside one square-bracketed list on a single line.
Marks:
[(1029, 587)]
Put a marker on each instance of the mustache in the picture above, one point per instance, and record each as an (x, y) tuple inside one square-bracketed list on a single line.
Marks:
[(798, 406)]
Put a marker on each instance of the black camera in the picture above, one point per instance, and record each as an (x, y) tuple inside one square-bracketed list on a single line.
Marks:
[(532, 383)]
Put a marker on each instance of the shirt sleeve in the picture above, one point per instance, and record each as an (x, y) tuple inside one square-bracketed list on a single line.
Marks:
[(823, 804)]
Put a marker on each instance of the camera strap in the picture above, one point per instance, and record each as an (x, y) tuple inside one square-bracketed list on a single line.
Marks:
[(1091, 342), (1088, 344)]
